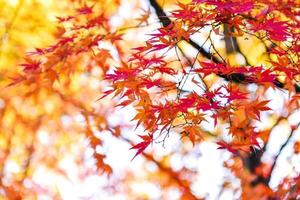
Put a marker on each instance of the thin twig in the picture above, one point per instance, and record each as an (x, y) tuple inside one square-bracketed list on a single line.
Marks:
[(280, 151)]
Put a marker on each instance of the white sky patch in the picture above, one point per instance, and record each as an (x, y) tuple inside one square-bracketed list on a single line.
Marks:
[(286, 165), (211, 171), (147, 188), (43, 137)]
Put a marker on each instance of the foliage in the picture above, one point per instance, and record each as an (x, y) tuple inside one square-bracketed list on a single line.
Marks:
[(209, 71)]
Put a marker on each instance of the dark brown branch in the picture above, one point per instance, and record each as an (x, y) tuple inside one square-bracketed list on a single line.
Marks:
[(237, 77), (231, 44), (163, 18), (166, 21)]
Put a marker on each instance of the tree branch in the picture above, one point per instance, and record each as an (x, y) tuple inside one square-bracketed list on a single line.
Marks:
[(254, 159), (237, 77), (230, 42), (232, 46), (266, 180), (280, 151), (166, 21)]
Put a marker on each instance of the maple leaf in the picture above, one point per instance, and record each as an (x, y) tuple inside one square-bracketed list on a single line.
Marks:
[(99, 20), (207, 104), (186, 12), (85, 10), (37, 51), (208, 68), (277, 30), (113, 37), (102, 167), (196, 118), (234, 93), (234, 147), (193, 132), (266, 76), (31, 65), (123, 73), (142, 116), (264, 135), (64, 19), (125, 103), (253, 138), (278, 51), (254, 108), (166, 70), (283, 65), (297, 147), (230, 7), (225, 145), (140, 147), (16, 79), (295, 100), (144, 17), (210, 94), (63, 41), (188, 102), (106, 93), (151, 83), (223, 113)]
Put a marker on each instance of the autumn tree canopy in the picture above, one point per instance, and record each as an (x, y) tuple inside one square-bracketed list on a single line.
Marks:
[(150, 99)]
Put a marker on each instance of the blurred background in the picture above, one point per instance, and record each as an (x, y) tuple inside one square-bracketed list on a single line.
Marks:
[(58, 142)]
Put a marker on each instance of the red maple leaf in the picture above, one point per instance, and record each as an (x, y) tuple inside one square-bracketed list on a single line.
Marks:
[(147, 139)]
